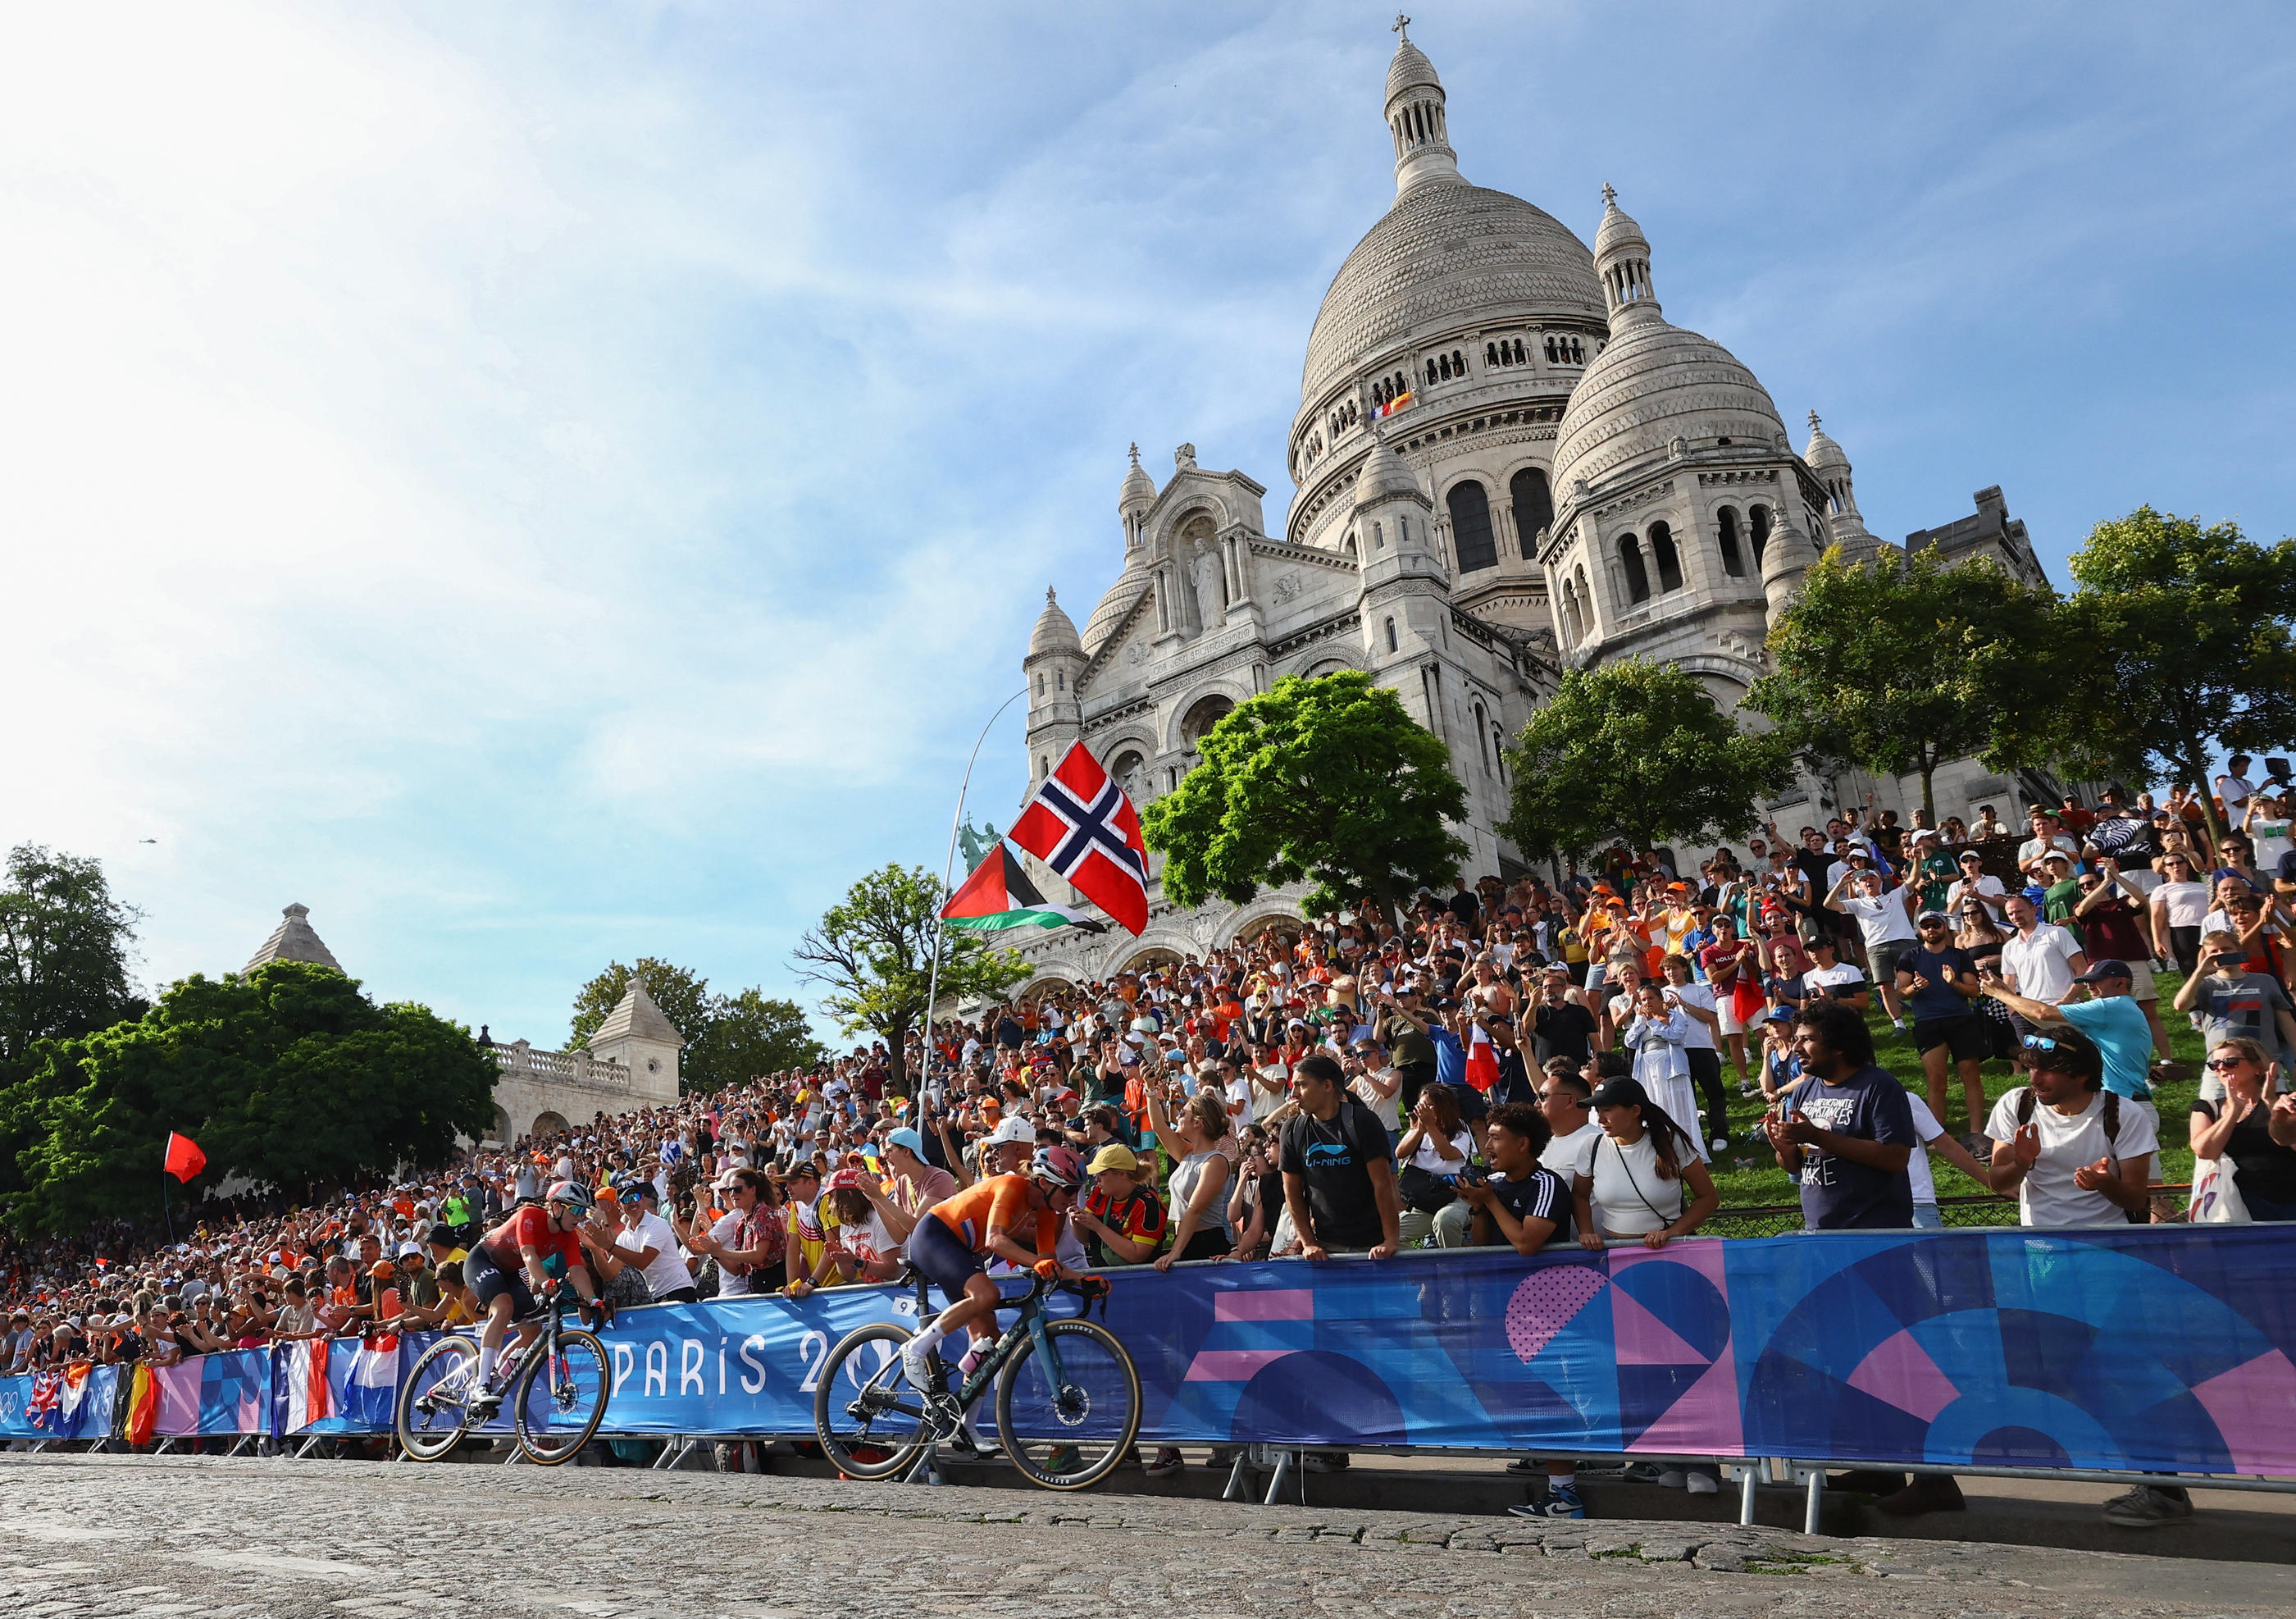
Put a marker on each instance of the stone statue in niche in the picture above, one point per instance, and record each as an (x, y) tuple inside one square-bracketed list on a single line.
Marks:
[(1209, 585)]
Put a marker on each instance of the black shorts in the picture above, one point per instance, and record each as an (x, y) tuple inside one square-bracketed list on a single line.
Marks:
[(1966, 1037), (942, 1257), (487, 1278)]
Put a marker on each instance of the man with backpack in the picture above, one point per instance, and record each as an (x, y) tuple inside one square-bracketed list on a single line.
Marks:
[(2074, 1152)]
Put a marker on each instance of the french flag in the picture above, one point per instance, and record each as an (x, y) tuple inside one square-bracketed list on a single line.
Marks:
[(309, 1398)]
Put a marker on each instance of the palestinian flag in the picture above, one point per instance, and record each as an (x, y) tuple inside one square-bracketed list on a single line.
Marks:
[(998, 895)]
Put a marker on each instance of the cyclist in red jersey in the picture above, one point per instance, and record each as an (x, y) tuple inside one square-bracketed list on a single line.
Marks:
[(529, 1256), (952, 1240)]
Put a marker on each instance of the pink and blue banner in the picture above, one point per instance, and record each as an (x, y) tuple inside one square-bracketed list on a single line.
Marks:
[(2127, 1349)]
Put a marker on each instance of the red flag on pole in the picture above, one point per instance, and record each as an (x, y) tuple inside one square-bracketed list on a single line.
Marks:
[(184, 1159)]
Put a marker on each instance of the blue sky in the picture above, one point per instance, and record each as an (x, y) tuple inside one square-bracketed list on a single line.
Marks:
[(540, 485)]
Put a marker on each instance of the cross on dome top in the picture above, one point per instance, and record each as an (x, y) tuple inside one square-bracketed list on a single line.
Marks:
[(1401, 23)]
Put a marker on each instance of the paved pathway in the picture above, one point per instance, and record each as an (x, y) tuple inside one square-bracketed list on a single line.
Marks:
[(280, 1540)]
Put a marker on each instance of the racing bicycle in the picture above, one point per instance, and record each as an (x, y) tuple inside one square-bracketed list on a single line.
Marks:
[(557, 1388), (1068, 1396)]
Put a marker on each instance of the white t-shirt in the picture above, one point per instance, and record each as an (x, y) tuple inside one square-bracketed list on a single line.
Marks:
[(1984, 888), (1424, 1155), (1926, 1130), (1386, 1109), (2047, 1195), (1242, 1105), (1840, 976), (1573, 1155), (728, 1231), (1633, 1200), (2185, 903), (668, 1273), (1881, 918), (2039, 964), (1701, 996)]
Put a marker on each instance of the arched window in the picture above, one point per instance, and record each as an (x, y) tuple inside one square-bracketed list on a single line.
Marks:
[(1458, 363), (1201, 717), (1130, 772), (1391, 635), (1585, 602), (1662, 552), (1042, 766), (1534, 506), (1554, 353), (1520, 358), (1571, 632), (1630, 562), (1733, 560), (1758, 525), (1378, 536), (1498, 752), (1040, 682), (1490, 354), (1483, 738), (1061, 681), (1470, 527)]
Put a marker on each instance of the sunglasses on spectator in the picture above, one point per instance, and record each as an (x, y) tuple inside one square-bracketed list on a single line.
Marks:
[(2040, 1042), (2224, 1065)]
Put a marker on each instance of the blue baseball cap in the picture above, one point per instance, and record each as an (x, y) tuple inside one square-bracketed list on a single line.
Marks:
[(909, 1138)]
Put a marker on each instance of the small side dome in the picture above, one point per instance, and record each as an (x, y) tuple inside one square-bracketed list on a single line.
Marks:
[(1618, 228), (1384, 472), (1138, 489), (1054, 632), (1822, 452), (1410, 70), (1788, 551)]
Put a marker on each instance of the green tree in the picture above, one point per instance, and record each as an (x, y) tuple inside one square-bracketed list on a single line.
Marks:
[(1899, 664), (682, 994), (65, 943), (288, 1076), (1328, 779), (748, 1033), (1639, 751), (728, 1037), (872, 955), (2175, 645)]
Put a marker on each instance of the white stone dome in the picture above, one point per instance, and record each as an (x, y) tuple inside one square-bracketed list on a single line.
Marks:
[(1410, 70), (1618, 228), (1653, 384), (1823, 453), (1385, 472), (1054, 631), (1138, 489), (1443, 255), (1114, 605)]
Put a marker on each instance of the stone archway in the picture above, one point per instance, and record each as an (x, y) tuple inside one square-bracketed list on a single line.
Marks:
[(502, 1128), (548, 1124)]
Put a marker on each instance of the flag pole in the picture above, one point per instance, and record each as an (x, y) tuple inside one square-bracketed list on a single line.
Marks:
[(947, 865)]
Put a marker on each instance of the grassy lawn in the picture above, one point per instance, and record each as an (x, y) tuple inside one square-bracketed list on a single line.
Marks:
[(1747, 1176)]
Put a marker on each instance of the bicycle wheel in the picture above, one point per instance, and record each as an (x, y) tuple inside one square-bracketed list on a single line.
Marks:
[(560, 1398), (1068, 1424), (870, 1422), (431, 1407)]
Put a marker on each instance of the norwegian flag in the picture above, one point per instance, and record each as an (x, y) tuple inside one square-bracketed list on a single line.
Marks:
[(1082, 826)]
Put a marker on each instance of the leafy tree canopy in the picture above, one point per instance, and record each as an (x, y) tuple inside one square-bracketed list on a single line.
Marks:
[(288, 1076), (2176, 644), (1637, 750), (728, 1037), (1328, 779), (872, 952), (1898, 664), (65, 944)]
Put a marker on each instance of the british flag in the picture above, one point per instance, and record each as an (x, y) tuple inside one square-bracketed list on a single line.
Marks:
[(47, 1397), (1082, 826)]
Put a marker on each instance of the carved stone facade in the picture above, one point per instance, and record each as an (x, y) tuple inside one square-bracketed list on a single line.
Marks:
[(1507, 461)]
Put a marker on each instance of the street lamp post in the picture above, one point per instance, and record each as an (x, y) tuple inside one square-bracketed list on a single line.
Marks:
[(947, 865)]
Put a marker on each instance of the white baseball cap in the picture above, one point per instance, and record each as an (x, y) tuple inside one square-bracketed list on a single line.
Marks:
[(1013, 1129)]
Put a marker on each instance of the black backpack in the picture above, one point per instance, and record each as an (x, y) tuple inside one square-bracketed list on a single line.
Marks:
[(2025, 1105)]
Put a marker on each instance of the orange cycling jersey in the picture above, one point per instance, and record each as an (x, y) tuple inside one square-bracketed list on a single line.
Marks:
[(1001, 1200)]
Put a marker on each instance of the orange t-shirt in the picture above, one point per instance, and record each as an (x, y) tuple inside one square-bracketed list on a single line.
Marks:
[(1001, 1200)]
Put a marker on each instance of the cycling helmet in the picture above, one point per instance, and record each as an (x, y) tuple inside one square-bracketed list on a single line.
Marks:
[(570, 1192), (1058, 1165)]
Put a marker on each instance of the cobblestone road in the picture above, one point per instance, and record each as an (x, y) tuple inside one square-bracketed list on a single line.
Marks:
[(280, 1540)]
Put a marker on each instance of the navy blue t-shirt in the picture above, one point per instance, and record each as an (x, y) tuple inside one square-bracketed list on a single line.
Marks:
[(1937, 966), (1838, 1194)]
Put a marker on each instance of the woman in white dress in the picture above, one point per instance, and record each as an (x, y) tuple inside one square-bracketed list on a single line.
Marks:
[(1657, 1037)]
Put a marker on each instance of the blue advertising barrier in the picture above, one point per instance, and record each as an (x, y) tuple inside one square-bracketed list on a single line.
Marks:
[(2120, 1349)]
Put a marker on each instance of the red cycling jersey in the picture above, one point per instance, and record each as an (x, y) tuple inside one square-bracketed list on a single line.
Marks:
[(530, 1228)]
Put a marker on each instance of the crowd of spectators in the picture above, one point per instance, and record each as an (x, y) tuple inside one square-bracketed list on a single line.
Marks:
[(1519, 1066)]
